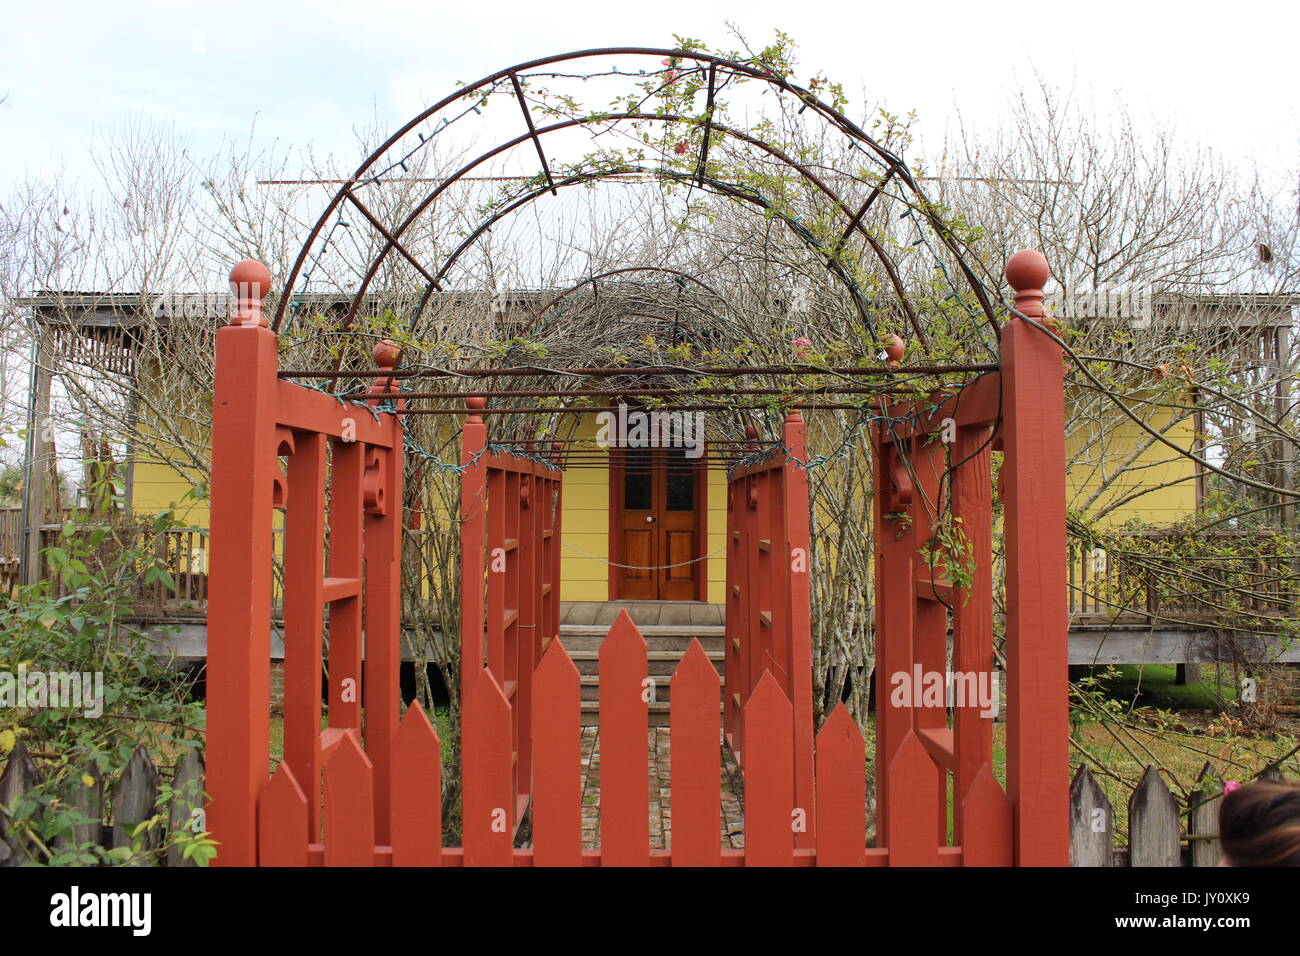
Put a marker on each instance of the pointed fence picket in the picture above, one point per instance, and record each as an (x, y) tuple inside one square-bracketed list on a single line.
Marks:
[(624, 753), (349, 806), (1162, 830), (769, 791), (557, 752), (841, 792), (416, 824), (487, 765), (282, 815), (696, 761)]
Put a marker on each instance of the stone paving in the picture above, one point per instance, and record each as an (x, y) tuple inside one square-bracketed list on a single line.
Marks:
[(732, 818)]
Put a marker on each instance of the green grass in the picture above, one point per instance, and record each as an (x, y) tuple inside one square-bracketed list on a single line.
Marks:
[(1126, 752), (441, 723), (1153, 685)]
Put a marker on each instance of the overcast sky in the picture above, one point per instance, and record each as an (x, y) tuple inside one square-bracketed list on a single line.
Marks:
[(307, 72)]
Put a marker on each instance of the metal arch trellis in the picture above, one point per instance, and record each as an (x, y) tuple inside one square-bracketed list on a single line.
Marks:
[(371, 172), (381, 163), (678, 276), (719, 187)]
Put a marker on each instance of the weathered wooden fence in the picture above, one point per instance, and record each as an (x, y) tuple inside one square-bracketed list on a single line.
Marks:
[(133, 799), (181, 552), (1162, 831), (11, 543)]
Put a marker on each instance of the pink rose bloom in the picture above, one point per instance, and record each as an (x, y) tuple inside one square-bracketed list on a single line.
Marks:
[(680, 147), (1230, 786), (801, 342)]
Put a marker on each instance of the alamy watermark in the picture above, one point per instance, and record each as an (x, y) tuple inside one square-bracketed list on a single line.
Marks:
[(919, 688), (63, 690), (634, 428), (1107, 301), (133, 911)]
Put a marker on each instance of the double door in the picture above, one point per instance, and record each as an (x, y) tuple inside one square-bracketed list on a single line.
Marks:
[(658, 497)]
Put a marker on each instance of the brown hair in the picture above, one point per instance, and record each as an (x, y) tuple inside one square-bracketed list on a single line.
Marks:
[(1259, 825)]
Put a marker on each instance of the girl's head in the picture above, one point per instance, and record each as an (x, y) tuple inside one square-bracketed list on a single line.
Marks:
[(1259, 825)]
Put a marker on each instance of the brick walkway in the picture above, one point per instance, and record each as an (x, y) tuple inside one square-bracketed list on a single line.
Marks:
[(733, 828)]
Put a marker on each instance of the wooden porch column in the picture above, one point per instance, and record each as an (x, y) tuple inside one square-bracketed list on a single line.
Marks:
[(36, 476), (1033, 474)]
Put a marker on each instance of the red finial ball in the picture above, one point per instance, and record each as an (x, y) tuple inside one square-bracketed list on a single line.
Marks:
[(1027, 269), (386, 354), (894, 347), (249, 281), (475, 403), (250, 277)]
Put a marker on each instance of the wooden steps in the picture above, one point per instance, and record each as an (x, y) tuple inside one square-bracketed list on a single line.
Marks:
[(665, 645)]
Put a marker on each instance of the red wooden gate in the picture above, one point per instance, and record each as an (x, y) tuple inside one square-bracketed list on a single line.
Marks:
[(804, 800), (257, 420)]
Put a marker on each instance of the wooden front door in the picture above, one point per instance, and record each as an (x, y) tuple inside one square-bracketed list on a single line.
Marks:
[(658, 496)]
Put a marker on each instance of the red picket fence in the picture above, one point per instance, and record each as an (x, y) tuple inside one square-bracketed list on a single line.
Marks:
[(769, 613), (366, 795), (350, 836)]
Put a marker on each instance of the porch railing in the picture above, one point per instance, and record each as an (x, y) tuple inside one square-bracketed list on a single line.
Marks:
[(1162, 577), (1139, 576), (181, 552)]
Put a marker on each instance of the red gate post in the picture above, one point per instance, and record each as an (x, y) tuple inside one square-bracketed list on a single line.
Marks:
[(304, 604), (797, 573), (731, 619), (473, 532), (895, 592), (972, 650), (244, 469), (1033, 441), (382, 492)]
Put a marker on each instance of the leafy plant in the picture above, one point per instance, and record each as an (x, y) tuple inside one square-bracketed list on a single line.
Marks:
[(77, 621)]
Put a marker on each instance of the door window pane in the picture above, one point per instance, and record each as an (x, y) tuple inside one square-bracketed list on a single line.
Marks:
[(681, 486), (636, 480)]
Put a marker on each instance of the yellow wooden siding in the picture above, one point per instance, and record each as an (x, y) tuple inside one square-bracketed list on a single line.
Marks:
[(157, 486), (1170, 485), (585, 540)]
